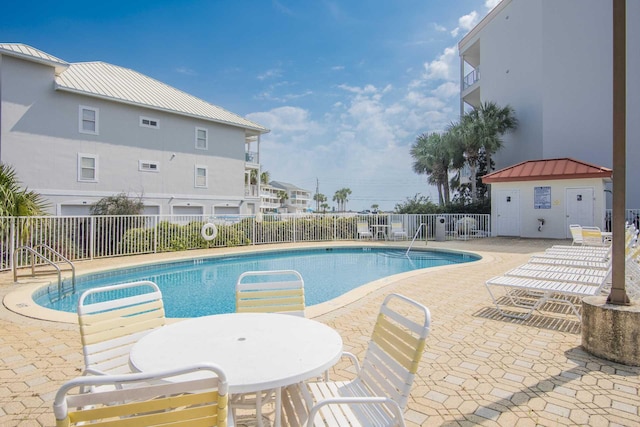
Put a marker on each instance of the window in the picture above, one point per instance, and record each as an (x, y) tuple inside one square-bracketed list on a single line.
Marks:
[(87, 168), (147, 122), (201, 139), (88, 120), (201, 176), (147, 166)]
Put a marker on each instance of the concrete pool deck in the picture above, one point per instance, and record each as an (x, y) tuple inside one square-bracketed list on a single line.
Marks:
[(478, 367)]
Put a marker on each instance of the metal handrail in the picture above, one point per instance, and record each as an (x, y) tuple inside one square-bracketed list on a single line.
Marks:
[(426, 239), (46, 260), (63, 258)]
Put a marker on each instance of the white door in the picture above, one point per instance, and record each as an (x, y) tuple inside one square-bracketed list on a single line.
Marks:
[(579, 207), (508, 212)]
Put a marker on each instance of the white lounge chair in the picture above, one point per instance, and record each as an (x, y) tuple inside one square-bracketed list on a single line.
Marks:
[(364, 231), (147, 399), (538, 292), (379, 393), (580, 263), (531, 289), (574, 275), (112, 319), (397, 231)]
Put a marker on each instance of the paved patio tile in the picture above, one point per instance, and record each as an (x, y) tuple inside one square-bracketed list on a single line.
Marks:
[(478, 367)]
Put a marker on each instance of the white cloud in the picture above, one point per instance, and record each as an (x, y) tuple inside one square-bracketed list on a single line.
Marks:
[(186, 71), (439, 28), (490, 4), (466, 23), (447, 90), (445, 67), (270, 74), (362, 143), (285, 120)]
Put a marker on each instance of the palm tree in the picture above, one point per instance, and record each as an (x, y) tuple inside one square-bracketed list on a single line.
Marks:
[(283, 196), (478, 134), (15, 201), (264, 177), (347, 193), (319, 198), (432, 156), (493, 121), (342, 197), (464, 136), (337, 197)]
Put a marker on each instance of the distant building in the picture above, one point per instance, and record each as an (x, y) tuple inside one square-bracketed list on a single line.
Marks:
[(552, 62), (298, 200), (78, 132)]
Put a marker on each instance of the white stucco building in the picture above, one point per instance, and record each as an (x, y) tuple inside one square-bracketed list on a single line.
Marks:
[(297, 200), (77, 132), (552, 62)]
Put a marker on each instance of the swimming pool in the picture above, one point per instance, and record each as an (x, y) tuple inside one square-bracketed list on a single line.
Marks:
[(204, 286)]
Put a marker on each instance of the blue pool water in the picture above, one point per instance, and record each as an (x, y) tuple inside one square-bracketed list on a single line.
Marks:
[(204, 286)]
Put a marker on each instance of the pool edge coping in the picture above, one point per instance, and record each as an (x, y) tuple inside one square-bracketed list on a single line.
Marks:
[(20, 301)]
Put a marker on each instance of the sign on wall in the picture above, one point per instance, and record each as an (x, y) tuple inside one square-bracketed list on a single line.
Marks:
[(542, 197)]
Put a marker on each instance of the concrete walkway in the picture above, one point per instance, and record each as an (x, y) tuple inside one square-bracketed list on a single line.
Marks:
[(478, 368)]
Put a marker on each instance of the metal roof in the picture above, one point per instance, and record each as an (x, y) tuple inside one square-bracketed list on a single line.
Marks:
[(118, 84), (24, 51), (549, 169), (286, 186)]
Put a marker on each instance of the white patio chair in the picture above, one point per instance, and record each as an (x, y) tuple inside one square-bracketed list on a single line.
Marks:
[(397, 231), (363, 230), (379, 393), (576, 234), (273, 291), (592, 236), (148, 399), (112, 319)]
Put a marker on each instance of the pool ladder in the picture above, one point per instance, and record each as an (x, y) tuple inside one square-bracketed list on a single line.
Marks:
[(426, 239), (35, 254)]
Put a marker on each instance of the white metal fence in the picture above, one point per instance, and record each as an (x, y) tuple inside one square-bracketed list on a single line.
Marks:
[(632, 216), (90, 237)]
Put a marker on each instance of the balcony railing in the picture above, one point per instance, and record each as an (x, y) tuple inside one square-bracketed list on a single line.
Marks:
[(251, 157), (471, 78)]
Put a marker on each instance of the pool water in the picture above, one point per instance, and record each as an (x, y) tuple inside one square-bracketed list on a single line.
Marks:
[(204, 286)]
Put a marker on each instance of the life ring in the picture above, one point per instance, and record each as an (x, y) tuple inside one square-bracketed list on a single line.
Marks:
[(209, 231)]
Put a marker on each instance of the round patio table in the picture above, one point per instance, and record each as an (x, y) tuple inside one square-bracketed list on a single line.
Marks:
[(257, 351)]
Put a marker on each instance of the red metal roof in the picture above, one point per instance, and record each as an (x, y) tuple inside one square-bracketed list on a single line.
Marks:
[(538, 170)]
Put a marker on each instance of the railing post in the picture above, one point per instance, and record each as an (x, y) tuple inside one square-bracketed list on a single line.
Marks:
[(254, 226), (155, 233), (12, 240), (92, 237), (294, 228)]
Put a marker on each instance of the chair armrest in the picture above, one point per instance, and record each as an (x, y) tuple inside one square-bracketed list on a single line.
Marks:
[(389, 403), (353, 359), (349, 356)]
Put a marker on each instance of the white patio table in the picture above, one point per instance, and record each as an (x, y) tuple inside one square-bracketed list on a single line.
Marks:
[(257, 351), (380, 231)]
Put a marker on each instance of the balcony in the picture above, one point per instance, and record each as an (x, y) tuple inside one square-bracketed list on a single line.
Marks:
[(471, 78), (251, 158)]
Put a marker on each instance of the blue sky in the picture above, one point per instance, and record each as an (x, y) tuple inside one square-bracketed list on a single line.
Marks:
[(344, 86)]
